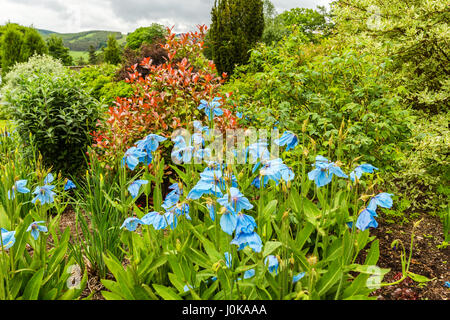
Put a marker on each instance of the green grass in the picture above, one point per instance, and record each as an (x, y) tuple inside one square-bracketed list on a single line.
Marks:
[(77, 54)]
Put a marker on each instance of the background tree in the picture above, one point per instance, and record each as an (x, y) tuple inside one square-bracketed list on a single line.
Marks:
[(312, 23), (92, 55), (18, 44), (81, 61), (33, 44), (57, 50), (12, 44), (112, 51), (236, 27), (148, 35)]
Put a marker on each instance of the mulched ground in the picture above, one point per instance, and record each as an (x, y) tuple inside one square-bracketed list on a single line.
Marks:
[(427, 260)]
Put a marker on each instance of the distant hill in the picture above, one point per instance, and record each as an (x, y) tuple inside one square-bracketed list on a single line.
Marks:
[(81, 41), (45, 32)]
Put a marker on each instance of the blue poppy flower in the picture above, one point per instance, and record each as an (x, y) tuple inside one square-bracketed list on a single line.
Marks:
[(132, 156), (447, 284), (183, 154), (272, 263), (323, 173), (20, 187), (187, 287), (35, 228), (69, 185), (170, 200), (181, 209), (366, 219), (135, 186), (275, 170), (173, 196), (359, 170), (239, 115), (150, 143), (49, 178), (211, 109), (44, 194), (236, 200), (228, 259), (383, 200), (199, 128), (297, 277), (245, 223), (211, 182), (212, 211), (257, 181), (248, 239), (197, 139), (160, 221), (287, 139), (8, 238), (201, 154), (228, 222), (132, 223), (177, 188), (257, 150), (248, 274)]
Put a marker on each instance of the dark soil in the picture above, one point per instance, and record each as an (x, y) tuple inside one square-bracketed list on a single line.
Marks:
[(427, 260)]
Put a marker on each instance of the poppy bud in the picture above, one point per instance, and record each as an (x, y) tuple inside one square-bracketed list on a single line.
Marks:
[(305, 152), (305, 124), (312, 260)]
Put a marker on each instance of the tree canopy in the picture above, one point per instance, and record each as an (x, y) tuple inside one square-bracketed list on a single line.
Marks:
[(149, 35)]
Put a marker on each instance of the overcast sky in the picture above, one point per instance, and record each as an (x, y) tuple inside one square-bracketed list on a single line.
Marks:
[(67, 16)]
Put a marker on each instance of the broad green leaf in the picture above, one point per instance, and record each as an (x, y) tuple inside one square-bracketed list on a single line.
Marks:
[(32, 289), (166, 293)]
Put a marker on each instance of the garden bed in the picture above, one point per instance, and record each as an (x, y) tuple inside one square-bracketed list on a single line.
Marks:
[(427, 260)]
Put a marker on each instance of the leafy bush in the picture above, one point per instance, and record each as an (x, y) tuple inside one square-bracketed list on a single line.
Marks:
[(415, 34), (100, 80), (134, 57), (424, 175), (57, 113), (146, 35), (37, 64), (339, 92)]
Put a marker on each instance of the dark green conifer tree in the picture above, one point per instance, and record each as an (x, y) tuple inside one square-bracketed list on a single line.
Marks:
[(57, 50), (237, 25), (92, 55), (112, 51)]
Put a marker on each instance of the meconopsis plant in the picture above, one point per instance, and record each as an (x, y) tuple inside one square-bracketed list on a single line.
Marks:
[(244, 229)]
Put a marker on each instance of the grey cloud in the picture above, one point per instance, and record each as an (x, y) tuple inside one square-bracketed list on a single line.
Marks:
[(179, 12)]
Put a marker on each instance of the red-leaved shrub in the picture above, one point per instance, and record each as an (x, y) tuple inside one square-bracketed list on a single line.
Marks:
[(164, 99)]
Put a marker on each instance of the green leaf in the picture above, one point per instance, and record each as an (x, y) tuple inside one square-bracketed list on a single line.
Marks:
[(32, 289), (270, 247), (166, 293), (418, 277), (330, 278), (119, 273)]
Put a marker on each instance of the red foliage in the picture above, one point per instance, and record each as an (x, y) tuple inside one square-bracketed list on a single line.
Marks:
[(165, 98)]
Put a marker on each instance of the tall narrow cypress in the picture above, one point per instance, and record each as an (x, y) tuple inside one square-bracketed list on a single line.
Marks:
[(237, 25)]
